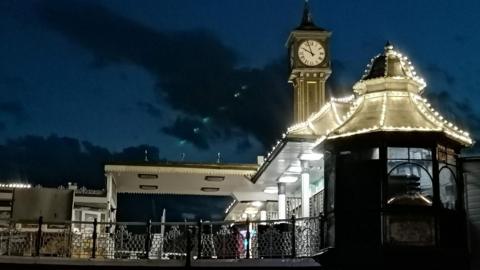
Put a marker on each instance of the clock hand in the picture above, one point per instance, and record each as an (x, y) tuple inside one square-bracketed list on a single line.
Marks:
[(310, 48), (308, 51)]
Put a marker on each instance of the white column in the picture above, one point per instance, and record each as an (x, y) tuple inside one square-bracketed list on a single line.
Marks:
[(109, 195), (263, 215), (282, 201), (305, 190)]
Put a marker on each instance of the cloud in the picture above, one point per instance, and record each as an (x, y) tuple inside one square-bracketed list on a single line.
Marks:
[(217, 217), (336, 85), (138, 153), (192, 130), (440, 75), (461, 39), (54, 161), (188, 216), (462, 113), (196, 74), (14, 110), (150, 109), (243, 145), (12, 82)]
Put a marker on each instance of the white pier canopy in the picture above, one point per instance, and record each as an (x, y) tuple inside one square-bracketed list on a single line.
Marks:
[(215, 179)]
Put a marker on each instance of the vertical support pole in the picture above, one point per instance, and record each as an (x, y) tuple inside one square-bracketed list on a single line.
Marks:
[(294, 251), (148, 232), (188, 262), (94, 239), (282, 201), (109, 185), (39, 236), (248, 239), (263, 215), (10, 230), (305, 189), (199, 240), (322, 231), (437, 204)]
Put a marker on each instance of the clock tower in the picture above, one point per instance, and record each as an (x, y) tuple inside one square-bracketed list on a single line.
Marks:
[(308, 49)]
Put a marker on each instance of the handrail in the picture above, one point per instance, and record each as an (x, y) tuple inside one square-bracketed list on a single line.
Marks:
[(281, 238)]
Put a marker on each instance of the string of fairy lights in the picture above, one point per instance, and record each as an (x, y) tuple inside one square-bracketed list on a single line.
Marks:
[(413, 87)]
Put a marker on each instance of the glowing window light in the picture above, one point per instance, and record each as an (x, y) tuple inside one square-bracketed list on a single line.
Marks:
[(311, 156), (271, 190), (257, 203), (288, 179), (294, 169), (251, 211)]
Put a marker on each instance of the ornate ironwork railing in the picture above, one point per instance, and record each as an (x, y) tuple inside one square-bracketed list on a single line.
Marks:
[(289, 238)]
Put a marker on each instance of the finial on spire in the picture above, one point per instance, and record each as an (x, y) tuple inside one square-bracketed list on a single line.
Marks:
[(307, 19), (307, 15), (388, 46)]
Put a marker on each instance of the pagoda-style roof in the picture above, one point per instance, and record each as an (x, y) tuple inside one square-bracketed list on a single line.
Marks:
[(388, 99), (391, 64), (328, 118)]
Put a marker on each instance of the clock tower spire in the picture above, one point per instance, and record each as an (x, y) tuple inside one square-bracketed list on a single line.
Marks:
[(308, 48)]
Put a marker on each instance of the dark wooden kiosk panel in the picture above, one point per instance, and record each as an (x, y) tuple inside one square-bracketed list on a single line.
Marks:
[(396, 200)]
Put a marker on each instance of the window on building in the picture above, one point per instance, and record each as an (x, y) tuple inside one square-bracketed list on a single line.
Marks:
[(447, 160), (448, 190), (409, 176)]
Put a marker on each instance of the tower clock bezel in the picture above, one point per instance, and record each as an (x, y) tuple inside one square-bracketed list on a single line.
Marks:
[(312, 46)]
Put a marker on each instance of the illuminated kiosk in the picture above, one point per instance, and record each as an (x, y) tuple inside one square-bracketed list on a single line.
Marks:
[(393, 182)]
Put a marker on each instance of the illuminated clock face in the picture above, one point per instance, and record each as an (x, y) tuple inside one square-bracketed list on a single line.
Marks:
[(311, 52)]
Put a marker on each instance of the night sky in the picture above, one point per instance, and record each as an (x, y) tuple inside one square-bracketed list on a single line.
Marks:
[(86, 82)]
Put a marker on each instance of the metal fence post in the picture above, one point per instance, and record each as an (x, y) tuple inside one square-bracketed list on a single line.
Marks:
[(94, 239), (293, 238), (189, 248), (10, 231), (248, 238), (322, 231), (148, 233), (39, 236), (199, 240)]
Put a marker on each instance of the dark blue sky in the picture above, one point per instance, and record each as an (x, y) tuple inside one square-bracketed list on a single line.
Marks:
[(201, 77)]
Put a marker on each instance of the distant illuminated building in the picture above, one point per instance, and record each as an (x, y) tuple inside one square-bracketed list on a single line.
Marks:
[(84, 205)]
